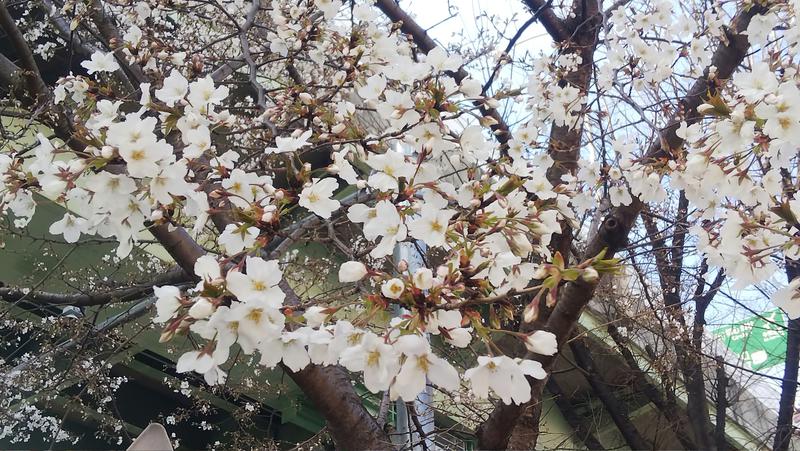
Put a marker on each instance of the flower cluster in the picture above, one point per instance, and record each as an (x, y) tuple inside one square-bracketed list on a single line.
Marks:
[(341, 131)]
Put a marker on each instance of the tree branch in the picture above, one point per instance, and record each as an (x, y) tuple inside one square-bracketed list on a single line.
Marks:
[(36, 85), (616, 409), (552, 24), (722, 404), (567, 409), (784, 429), (127, 294), (512, 42), (668, 409), (109, 31)]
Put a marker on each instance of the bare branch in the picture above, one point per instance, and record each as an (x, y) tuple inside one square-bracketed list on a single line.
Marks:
[(553, 24), (127, 294)]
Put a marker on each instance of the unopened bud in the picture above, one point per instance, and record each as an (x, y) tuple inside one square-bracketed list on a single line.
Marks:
[(166, 336), (771, 99), (156, 215), (705, 108), (590, 275), (201, 309), (306, 98), (487, 121), (107, 152), (531, 311)]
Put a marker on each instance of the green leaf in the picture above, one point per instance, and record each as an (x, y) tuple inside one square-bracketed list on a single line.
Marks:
[(570, 274)]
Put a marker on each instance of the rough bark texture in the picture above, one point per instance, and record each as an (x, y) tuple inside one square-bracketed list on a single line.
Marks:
[(527, 429), (351, 428)]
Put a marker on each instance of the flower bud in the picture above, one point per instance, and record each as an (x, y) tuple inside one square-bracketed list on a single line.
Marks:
[(156, 215), (540, 273), (402, 266), (352, 271), (166, 336), (306, 98), (590, 275), (201, 309), (107, 152), (315, 316), (423, 278), (531, 312), (705, 108), (542, 342)]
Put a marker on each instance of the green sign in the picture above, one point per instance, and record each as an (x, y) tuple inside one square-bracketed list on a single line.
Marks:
[(761, 341)]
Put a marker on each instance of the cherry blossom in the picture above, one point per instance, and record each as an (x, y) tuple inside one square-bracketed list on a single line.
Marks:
[(259, 284), (420, 364), (375, 358), (101, 62), (70, 226), (250, 139), (317, 197)]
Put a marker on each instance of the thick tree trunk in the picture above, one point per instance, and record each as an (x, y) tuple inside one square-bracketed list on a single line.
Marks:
[(352, 427), (785, 428), (527, 429)]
